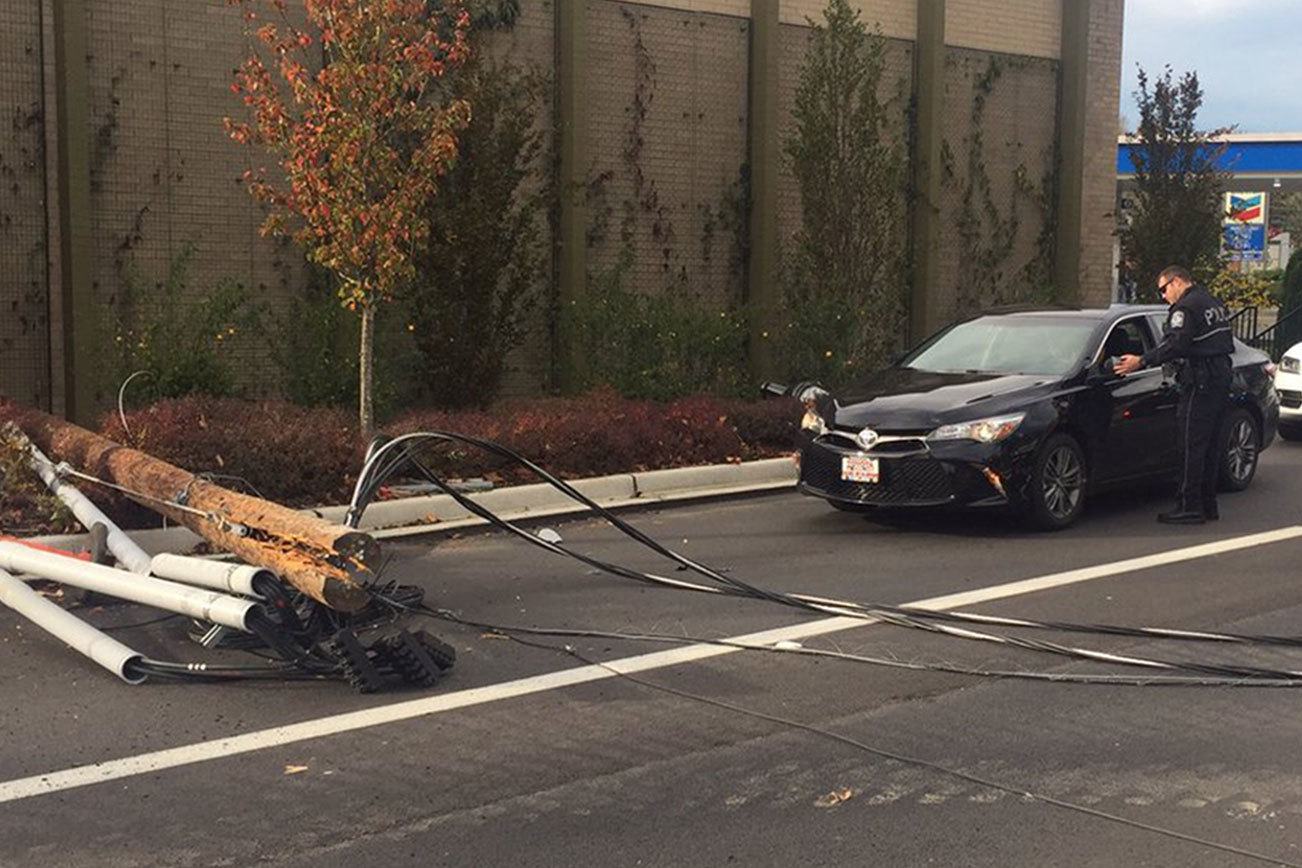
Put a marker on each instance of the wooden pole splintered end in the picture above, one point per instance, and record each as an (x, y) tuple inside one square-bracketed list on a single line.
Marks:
[(330, 563)]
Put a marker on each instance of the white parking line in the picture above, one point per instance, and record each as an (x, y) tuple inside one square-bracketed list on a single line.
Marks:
[(84, 776)]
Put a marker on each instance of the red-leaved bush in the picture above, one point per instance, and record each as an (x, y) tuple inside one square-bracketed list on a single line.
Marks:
[(591, 435), (303, 456), (294, 455)]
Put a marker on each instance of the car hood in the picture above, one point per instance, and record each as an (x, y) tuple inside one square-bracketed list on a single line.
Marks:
[(904, 399)]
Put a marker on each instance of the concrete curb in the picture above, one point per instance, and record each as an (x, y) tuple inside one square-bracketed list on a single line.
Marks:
[(436, 514)]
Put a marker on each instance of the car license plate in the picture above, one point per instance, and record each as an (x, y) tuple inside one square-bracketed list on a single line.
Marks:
[(860, 468)]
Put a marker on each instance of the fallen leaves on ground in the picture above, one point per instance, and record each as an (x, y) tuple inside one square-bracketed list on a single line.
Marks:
[(834, 798)]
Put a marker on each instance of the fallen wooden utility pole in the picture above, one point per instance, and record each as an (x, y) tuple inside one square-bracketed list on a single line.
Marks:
[(328, 562)]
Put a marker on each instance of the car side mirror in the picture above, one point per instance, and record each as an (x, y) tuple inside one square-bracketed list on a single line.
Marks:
[(774, 390)]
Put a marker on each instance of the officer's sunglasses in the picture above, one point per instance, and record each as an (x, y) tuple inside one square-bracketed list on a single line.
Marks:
[(1162, 287)]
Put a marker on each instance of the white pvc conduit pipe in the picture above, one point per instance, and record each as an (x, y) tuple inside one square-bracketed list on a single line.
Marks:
[(123, 547), (170, 596), (219, 575), (82, 637)]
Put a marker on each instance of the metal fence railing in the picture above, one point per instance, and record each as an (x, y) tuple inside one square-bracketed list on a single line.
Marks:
[(1277, 339), (1244, 323)]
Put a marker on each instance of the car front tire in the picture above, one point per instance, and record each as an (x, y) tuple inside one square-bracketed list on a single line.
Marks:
[(1240, 449), (1056, 495), (1290, 432)]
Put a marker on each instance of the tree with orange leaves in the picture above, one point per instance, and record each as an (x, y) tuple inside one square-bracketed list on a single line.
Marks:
[(347, 107)]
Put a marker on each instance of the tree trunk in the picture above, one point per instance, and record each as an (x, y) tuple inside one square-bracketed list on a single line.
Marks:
[(366, 369)]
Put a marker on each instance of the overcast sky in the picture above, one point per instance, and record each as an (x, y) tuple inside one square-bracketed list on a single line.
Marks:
[(1247, 53)]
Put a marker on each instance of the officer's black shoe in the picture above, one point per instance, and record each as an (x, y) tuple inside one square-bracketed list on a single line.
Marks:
[(1181, 516), (1210, 512)]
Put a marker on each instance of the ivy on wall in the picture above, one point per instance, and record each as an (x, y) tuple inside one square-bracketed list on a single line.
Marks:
[(989, 225), (645, 199), (22, 174), (674, 337), (645, 205)]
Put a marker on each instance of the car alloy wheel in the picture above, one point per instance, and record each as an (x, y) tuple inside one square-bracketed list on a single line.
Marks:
[(1241, 450), (1062, 482)]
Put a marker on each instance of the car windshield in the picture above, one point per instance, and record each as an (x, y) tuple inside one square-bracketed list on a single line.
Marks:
[(1006, 345)]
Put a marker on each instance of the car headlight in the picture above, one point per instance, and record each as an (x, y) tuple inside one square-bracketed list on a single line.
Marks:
[(1290, 365), (981, 430), (813, 420)]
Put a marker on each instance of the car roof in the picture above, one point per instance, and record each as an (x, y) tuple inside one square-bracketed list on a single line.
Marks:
[(1097, 314)]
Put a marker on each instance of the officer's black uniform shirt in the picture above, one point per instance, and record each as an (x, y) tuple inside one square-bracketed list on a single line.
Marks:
[(1198, 327)]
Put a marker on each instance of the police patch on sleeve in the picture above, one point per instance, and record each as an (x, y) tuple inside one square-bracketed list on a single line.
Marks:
[(1177, 319)]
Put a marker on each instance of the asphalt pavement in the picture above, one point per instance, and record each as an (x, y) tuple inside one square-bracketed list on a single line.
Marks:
[(619, 752)]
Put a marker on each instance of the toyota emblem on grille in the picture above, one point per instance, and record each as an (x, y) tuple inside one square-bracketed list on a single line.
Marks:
[(867, 438)]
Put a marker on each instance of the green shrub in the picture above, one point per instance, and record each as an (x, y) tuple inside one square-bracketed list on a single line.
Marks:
[(1275, 277), (844, 275), (1243, 289), (314, 344), (827, 340), (1290, 285), (659, 347), (1291, 303), (183, 339), (481, 272)]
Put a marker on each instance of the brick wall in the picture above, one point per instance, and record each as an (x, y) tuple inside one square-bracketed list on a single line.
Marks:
[(24, 288), (1011, 150), (1027, 27)]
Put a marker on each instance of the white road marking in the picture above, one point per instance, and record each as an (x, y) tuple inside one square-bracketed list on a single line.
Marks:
[(155, 761)]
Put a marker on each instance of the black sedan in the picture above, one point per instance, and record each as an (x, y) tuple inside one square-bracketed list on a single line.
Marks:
[(1020, 409)]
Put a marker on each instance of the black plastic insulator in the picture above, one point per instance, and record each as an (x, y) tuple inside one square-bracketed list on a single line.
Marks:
[(355, 662), (443, 654), (408, 659)]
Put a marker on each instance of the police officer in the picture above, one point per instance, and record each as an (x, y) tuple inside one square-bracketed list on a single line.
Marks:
[(1199, 338)]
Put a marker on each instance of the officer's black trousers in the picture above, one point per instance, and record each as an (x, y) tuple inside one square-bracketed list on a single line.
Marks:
[(1201, 411)]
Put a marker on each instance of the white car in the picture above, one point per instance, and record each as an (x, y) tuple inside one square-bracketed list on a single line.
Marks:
[(1288, 382)]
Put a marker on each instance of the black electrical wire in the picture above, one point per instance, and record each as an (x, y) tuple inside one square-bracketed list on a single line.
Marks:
[(921, 763), (166, 670), (896, 617), (799, 601), (368, 483), (945, 668), (555, 548)]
